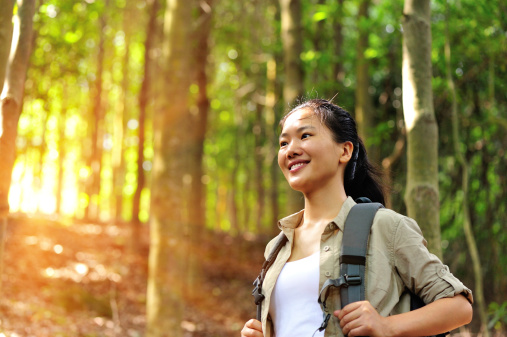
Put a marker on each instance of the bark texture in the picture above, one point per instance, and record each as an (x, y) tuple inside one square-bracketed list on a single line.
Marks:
[(11, 105), (167, 247), (422, 196), (12, 97), (5, 37)]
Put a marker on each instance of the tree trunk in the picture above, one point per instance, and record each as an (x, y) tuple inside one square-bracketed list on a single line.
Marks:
[(61, 150), (422, 196), (120, 125), (247, 207), (11, 106), (389, 161), (364, 112), (317, 38), (5, 37), (237, 225), (236, 228), (259, 163), (197, 197), (387, 98), (338, 43), (95, 162), (38, 168), (144, 95), (271, 128), (171, 130), (292, 39), (467, 222)]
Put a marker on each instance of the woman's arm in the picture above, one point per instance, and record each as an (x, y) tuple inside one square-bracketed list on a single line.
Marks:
[(446, 314)]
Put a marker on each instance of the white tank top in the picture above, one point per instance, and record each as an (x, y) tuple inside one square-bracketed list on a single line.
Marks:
[(293, 307)]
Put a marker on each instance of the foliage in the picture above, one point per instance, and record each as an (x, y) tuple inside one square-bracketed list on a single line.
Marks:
[(499, 316), (55, 128)]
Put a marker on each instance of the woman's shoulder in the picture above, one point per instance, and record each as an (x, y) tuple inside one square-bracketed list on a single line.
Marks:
[(393, 223)]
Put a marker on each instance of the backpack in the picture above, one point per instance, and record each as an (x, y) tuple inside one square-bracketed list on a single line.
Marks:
[(352, 262)]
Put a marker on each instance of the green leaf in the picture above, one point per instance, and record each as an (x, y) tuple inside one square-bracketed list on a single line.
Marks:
[(319, 16), (73, 37)]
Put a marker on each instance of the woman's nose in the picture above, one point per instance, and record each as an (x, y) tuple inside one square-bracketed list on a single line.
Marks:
[(293, 149)]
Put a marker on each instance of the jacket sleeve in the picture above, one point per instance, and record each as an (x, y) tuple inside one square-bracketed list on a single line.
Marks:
[(421, 271)]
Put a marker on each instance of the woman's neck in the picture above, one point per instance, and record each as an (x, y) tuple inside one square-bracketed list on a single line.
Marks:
[(323, 205)]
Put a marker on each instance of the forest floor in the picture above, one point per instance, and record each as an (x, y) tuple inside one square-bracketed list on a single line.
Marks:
[(65, 279), (83, 279)]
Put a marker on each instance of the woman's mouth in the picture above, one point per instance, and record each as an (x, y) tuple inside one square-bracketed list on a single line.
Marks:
[(297, 166)]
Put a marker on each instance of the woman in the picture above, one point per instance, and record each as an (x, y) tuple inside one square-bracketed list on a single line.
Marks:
[(322, 156)]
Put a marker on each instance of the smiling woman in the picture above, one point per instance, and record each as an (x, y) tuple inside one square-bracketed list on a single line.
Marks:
[(322, 156), (308, 156), (332, 123)]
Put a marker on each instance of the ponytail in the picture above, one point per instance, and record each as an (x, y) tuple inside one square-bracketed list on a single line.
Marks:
[(362, 178)]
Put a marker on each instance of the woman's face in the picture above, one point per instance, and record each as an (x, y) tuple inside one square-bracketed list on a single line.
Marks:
[(308, 156)]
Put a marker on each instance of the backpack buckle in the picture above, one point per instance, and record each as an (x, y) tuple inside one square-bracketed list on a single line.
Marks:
[(352, 280), (256, 292), (325, 322)]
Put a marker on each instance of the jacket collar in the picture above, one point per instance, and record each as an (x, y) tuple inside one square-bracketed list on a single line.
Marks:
[(292, 221)]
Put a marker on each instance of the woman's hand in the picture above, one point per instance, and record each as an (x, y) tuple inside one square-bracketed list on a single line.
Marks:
[(361, 319), (252, 328)]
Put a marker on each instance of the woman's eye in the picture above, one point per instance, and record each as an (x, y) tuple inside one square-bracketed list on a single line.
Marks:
[(305, 135), (282, 144)]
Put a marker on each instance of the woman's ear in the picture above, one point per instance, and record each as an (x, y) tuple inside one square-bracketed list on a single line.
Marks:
[(348, 149)]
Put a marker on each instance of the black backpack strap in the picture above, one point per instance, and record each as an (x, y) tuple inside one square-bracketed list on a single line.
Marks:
[(353, 251), (257, 291)]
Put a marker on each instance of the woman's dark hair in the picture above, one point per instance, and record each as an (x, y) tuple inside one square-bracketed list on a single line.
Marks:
[(362, 179)]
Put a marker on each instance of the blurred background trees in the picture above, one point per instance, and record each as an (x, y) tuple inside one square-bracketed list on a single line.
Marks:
[(133, 114)]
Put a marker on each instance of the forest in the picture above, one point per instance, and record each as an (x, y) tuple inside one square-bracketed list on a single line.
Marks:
[(138, 176)]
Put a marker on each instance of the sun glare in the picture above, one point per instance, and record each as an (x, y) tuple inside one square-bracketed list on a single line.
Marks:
[(31, 194)]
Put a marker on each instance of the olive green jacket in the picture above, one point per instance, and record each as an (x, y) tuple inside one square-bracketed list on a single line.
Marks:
[(397, 259)]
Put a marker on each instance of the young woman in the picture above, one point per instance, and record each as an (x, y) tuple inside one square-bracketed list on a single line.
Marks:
[(322, 156)]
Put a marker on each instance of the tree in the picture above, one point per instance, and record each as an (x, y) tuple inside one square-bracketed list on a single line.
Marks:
[(144, 96), (364, 112), (338, 42), (61, 149), (95, 159), (197, 196), (5, 37), (5, 47), (11, 104), (120, 126), (167, 249), (421, 196), (467, 222), (292, 39)]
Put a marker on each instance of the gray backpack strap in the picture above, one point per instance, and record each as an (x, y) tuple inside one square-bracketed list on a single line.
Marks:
[(352, 257), (353, 251)]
